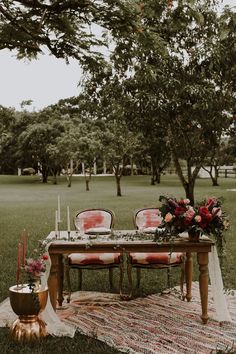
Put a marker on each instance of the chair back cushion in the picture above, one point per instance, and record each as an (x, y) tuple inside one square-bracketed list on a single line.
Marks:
[(148, 217), (94, 218)]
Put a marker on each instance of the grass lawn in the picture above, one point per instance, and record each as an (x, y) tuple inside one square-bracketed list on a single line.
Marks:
[(27, 203)]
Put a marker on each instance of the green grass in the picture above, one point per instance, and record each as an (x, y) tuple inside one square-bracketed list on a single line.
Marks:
[(27, 203)]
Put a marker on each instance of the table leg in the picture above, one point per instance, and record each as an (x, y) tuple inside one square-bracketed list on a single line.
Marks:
[(53, 280), (60, 279), (189, 275), (202, 259)]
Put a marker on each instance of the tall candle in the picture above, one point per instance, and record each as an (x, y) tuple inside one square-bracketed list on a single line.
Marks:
[(68, 218), (56, 222), (59, 209), (19, 250)]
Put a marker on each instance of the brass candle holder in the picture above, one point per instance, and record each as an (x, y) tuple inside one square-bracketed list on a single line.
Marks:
[(28, 304)]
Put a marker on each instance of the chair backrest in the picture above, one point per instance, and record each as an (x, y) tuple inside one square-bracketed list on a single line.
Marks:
[(147, 217), (94, 218)]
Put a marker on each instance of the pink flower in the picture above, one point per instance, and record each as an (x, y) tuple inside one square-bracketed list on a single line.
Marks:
[(168, 217), (198, 218), (35, 267), (186, 201), (189, 215), (216, 212)]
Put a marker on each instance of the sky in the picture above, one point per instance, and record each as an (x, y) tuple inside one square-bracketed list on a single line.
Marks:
[(44, 81)]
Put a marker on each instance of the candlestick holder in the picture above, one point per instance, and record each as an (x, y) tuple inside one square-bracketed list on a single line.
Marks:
[(57, 231)]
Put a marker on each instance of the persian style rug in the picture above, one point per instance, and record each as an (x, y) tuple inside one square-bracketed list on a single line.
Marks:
[(159, 323)]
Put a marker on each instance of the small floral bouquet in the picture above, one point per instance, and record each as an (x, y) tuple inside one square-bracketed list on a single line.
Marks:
[(34, 267), (206, 217)]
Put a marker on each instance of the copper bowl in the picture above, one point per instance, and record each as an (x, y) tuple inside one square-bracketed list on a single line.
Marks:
[(24, 302)]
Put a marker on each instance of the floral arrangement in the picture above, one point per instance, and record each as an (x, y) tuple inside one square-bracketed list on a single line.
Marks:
[(34, 267), (206, 217)]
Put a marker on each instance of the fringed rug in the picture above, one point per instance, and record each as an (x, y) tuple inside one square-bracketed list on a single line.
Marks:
[(159, 323)]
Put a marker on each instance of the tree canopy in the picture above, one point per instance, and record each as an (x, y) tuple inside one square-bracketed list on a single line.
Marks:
[(170, 75), (64, 27)]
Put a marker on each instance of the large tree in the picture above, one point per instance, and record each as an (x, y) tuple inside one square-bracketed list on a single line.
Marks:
[(36, 140), (171, 68)]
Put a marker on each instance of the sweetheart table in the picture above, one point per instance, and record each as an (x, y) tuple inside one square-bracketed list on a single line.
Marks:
[(119, 242)]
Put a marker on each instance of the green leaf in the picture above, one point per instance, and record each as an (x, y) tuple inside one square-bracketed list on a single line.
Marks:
[(224, 33)]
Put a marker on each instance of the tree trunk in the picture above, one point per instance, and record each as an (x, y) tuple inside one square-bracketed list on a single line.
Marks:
[(87, 184), (131, 166), (189, 191), (213, 176), (215, 179), (54, 177), (154, 171), (44, 174), (118, 186), (69, 181), (158, 176)]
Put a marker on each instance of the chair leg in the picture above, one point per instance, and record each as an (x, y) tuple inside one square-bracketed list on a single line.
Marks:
[(68, 282), (80, 278), (138, 273), (121, 268), (168, 277), (182, 277), (111, 278), (129, 274)]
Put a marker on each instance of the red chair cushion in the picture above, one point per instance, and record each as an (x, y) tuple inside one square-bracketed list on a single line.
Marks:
[(88, 219), (149, 217), (156, 258), (93, 258)]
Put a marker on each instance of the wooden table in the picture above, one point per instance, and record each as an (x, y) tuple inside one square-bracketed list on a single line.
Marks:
[(58, 248)]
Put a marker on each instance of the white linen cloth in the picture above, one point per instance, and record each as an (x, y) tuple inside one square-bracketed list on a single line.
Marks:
[(217, 288), (55, 326)]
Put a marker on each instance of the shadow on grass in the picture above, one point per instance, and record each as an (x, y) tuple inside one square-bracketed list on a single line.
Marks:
[(80, 344)]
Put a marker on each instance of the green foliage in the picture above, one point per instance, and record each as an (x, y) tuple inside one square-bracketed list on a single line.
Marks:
[(165, 78), (65, 28)]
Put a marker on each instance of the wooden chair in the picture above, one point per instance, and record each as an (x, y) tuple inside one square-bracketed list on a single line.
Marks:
[(147, 220), (94, 222)]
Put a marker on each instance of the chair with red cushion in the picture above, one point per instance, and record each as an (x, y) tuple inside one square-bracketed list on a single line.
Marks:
[(147, 220), (94, 222)]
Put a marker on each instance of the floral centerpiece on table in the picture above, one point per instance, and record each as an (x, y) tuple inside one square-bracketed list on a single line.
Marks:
[(206, 217)]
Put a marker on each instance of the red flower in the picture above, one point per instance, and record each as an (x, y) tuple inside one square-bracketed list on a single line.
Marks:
[(205, 214), (211, 202), (179, 211)]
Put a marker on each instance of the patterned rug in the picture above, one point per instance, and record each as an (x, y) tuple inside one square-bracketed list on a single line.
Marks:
[(159, 323)]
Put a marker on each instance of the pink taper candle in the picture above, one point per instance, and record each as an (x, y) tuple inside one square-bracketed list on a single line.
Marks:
[(19, 251), (23, 241)]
